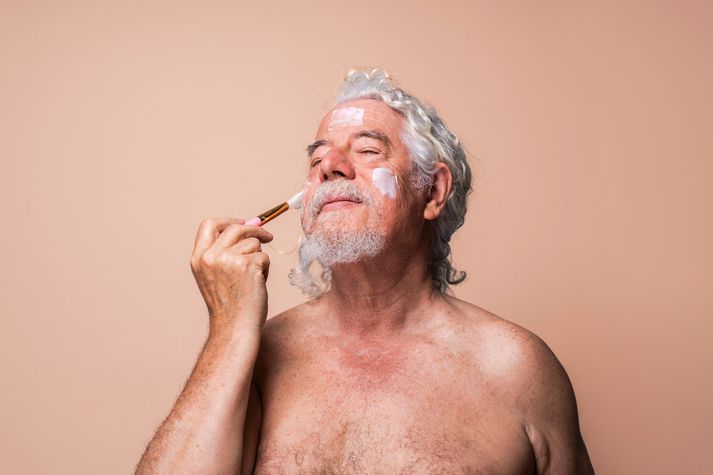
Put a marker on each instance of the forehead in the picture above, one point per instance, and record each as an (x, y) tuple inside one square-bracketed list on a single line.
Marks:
[(361, 114)]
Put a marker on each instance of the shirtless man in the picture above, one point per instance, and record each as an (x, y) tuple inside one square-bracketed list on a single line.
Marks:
[(382, 371)]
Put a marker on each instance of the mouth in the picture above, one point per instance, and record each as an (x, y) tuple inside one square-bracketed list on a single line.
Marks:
[(337, 202)]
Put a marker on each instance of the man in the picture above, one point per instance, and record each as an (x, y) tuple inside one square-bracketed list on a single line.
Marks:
[(382, 371)]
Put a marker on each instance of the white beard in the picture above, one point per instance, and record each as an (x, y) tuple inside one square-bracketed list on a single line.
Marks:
[(340, 246), (332, 244)]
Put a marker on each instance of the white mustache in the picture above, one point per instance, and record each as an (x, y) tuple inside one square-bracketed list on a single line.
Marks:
[(342, 188)]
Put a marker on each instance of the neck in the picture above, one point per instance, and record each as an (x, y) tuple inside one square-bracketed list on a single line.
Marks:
[(380, 297)]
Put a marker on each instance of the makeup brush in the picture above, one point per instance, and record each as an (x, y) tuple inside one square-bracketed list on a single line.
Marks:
[(295, 202)]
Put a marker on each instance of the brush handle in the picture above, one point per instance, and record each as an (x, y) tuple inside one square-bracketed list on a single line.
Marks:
[(273, 213), (268, 215), (253, 221)]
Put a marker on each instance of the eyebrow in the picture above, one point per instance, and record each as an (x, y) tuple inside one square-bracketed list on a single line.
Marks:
[(374, 134)]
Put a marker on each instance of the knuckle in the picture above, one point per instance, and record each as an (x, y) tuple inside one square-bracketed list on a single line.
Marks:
[(208, 259), (206, 223), (261, 259), (194, 262), (241, 264), (226, 259), (232, 261), (252, 241)]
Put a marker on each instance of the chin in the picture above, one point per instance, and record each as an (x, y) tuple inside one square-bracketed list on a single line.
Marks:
[(338, 222), (333, 231), (339, 245)]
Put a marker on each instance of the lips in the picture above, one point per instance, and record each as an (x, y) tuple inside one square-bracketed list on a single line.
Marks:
[(333, 194), (337, 202)]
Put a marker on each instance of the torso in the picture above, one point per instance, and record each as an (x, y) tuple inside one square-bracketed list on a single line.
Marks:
[(425, 403)]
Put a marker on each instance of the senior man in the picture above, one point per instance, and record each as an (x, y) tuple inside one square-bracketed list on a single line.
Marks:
[(382, 370)]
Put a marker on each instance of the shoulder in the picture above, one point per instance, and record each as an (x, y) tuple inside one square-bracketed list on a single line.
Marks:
[(510, 354), (290, 324), (503, 350), (283, 338), (522, 368), (516, 363)]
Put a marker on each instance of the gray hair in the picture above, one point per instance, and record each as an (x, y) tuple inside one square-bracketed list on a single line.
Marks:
[(429, 141)]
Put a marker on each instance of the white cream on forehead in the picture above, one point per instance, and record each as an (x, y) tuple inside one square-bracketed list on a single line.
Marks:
[(346, 116), (385, 181)]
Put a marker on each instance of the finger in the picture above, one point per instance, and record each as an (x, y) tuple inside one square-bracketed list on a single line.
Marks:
[(208, 232), (245, 246), (237, 232), (262, 260)]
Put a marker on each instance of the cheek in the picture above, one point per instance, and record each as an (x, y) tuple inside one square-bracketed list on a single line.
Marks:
[(308, 189), (312, 175), (385, 181), (307, 193)]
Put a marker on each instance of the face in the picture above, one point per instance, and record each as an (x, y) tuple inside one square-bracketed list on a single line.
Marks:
[(358, 173)]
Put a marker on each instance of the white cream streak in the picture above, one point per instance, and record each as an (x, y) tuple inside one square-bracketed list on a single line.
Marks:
[(346, 116), (385, 180)]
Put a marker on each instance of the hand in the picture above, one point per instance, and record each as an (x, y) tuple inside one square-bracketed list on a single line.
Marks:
[(231, 272)]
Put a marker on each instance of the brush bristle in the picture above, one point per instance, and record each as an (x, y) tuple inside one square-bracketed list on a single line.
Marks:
[(296, 201)]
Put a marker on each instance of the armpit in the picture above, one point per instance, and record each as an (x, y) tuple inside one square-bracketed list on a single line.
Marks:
[(540, 448)]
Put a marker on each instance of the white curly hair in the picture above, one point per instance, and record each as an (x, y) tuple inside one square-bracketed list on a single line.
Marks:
[(429, 141)]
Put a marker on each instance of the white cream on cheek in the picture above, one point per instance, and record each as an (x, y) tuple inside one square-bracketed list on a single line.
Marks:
[(346, 117), (385, 181)]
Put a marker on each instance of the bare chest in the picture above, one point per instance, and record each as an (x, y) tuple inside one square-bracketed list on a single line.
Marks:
[(409, 409)]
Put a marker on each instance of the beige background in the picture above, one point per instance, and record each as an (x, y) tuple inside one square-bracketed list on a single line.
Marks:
[(123, 124)]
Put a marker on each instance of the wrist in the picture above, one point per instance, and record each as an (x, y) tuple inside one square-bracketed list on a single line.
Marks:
[(244, 335)]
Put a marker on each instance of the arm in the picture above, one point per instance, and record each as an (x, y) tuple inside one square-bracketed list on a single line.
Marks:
[(251, 434), (550, 413), (204, 432)]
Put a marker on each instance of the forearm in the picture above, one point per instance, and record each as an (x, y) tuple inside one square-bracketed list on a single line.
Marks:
[(204, 431)]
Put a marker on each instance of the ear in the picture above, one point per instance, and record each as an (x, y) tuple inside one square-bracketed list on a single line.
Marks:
[(438, 192)]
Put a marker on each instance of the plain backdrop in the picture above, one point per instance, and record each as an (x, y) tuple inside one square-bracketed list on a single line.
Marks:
[(123, 124)]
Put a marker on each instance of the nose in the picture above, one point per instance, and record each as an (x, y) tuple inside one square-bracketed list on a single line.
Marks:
[(336, 164)]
